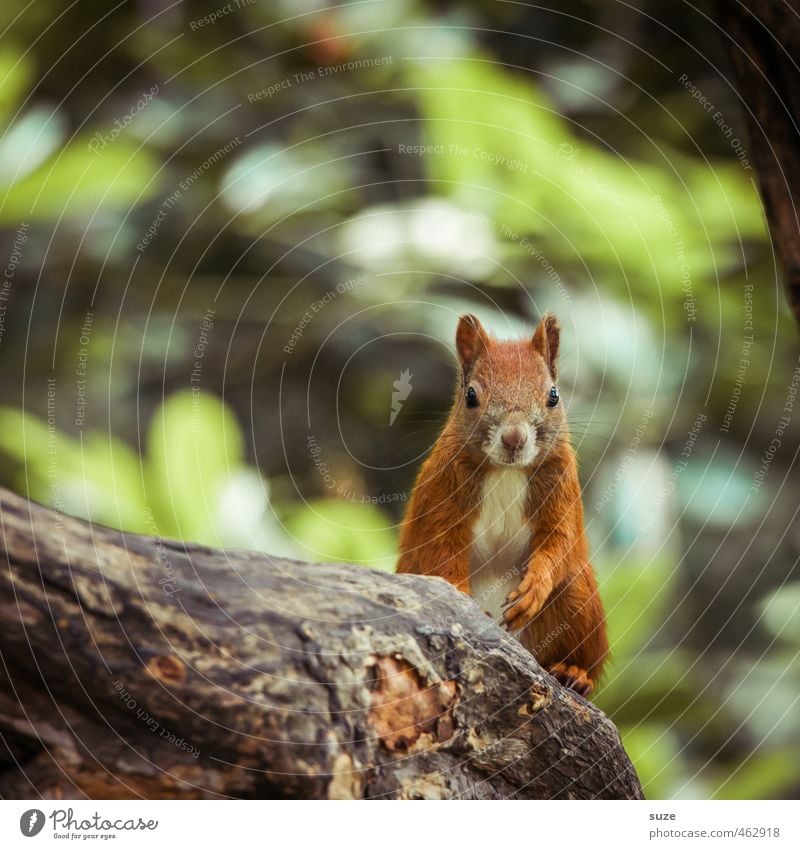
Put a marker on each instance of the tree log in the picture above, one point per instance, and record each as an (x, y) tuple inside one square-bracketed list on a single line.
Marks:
[(137, 667), (762, 39)]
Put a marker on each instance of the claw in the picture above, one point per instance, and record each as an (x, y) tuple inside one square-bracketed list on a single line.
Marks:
[(506, 626), (572, 677), (518, 621)]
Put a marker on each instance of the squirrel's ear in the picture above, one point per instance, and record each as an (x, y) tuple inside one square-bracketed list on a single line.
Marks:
[(471, 340), (545, 341)]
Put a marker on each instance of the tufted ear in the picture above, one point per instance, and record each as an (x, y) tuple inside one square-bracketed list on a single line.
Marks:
[(471, 341), (545, 341)]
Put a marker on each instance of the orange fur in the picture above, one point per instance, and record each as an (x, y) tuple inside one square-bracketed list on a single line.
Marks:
[(556, 607)]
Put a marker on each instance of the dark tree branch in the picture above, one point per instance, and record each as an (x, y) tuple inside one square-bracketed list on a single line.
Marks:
[(763, 44), (133, 667)]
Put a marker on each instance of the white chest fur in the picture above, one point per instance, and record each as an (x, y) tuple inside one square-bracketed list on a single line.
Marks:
[(501, 539)]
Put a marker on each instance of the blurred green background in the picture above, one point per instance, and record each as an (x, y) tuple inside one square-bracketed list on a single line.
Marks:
[(228, 232)]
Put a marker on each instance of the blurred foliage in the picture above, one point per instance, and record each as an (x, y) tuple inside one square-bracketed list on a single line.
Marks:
[(587, 204), (190, 483), (213, 292)]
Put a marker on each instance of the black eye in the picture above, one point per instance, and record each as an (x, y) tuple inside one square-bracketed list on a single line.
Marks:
[(552, 398), (472, 397)]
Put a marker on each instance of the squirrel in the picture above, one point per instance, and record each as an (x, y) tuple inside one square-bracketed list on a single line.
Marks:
[(496, 508)]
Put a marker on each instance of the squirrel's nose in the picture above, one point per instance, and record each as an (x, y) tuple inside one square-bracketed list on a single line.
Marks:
[(513, 438)]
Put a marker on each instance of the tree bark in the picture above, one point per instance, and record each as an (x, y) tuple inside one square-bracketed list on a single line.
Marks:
[(137, 667), (762, 40)]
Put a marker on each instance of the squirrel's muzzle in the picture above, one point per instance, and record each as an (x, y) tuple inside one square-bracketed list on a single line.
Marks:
[(514, 437)]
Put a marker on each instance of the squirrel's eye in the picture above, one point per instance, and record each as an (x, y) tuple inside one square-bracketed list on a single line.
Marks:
[(472, 397), (552, 398)]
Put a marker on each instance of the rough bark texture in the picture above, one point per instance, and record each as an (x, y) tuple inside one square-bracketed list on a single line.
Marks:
[(762, 38), (134, 667)]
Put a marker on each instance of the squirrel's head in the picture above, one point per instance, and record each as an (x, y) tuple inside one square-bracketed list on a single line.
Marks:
[(508, 405)]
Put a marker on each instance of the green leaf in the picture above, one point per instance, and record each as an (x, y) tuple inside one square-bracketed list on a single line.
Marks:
[(652, 686), (636, 598), (29, 142), (656, 753), (499, 147), (45, 455), (340, 531), (97, 478), (16, 75), (781, 612), (194, 446), (107, 487), (79, 182), (767, 775)]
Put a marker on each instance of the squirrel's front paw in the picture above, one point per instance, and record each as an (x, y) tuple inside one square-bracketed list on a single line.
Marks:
[(525, 602)]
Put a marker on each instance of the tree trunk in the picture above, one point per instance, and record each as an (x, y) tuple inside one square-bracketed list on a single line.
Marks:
[(137, 667), (762, 40)]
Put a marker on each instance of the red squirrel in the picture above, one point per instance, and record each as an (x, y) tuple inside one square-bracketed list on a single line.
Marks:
[(496, 508)]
